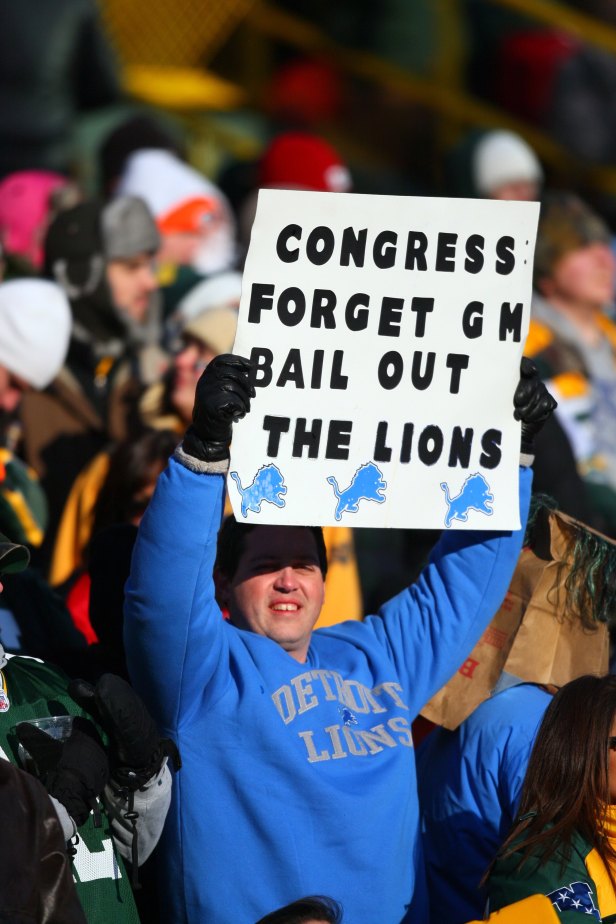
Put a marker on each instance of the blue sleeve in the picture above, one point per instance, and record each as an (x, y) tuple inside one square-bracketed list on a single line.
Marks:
[(174, 632), (432, 626)]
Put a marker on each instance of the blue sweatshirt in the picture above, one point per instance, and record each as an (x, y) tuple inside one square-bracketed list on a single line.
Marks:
[(297, 779), (469, 782)]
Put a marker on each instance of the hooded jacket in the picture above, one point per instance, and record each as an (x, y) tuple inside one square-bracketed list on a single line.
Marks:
[(93, 399)]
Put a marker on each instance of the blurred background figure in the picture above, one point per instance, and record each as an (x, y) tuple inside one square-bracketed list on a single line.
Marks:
[(34, 337), (199, 338), (113, 490), (572, 341), (294, 160), (55, 62), (193, 216), (470, 771), (562, 843), (494, 165), (29, 201), (103, 257), (136, 132)]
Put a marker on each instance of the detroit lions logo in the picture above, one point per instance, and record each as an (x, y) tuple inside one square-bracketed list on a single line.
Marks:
[(475, 495), (367, 484), (577, 896), (268, 485)]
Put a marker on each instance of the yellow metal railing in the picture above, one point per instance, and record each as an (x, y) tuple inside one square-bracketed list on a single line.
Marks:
[(165, 49)]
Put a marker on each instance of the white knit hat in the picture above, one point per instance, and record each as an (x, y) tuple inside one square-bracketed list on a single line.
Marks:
[(167, 184), (222, 289), (503, 157), (35, 326)]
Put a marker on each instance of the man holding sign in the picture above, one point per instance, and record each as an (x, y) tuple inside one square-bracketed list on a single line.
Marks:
[(298, 769)]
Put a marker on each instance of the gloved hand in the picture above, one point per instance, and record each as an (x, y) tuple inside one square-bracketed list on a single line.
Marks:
[(74, 771), (222, 396), (137, 751), (533, 404)]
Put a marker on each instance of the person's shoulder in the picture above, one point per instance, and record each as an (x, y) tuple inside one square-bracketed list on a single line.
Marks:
[(34, 669), (516, 698)]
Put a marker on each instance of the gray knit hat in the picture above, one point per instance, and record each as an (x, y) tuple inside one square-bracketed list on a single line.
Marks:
[(128, 229)]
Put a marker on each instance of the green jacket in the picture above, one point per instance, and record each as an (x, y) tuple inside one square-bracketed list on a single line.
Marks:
[(564, 879), (31, 689)]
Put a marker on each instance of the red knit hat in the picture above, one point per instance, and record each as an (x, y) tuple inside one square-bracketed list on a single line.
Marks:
[(299, 160)]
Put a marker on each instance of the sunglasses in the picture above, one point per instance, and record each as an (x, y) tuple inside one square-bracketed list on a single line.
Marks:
[(611, 743)]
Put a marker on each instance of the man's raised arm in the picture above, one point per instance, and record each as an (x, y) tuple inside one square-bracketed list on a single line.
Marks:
[(174, 632), (434, 624)]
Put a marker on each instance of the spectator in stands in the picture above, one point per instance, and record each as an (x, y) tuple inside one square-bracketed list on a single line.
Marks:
[(55, 62), (572, 341), (562, 844), (194, 219), (29, 201), (470, 776), (493, 164), (34, 336), (103, 258)]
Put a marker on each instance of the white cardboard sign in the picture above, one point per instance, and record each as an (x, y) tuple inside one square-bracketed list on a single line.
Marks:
[(387, 333)]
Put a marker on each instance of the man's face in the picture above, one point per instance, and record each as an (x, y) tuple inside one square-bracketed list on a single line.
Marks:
[(132, 282), (278, 588), (11, 390), (188, 365), (583, 277)]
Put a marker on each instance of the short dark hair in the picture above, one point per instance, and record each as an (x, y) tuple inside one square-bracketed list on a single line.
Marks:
[(312, 908), (232, 540)]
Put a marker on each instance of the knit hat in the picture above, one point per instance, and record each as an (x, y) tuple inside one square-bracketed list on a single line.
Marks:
[(182, 200), (13, 557), (25, 200), (74, 258), (137, 132), (502, 157), (214, 327), (299, 160), (35, 324), (220, 290), (128, 228), (566, 223)]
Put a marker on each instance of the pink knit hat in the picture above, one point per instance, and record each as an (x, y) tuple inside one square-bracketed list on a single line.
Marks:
[(24, 207)]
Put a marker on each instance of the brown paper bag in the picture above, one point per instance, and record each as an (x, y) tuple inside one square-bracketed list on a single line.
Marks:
[(537, 634)]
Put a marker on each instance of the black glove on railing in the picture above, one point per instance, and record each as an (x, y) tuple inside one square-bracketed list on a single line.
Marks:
[(74, 771), (533, 404), (222, 397)]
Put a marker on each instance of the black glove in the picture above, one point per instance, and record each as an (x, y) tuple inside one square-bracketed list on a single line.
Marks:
[(74, 771), (222, 396), (137, 751), (533, 404)]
